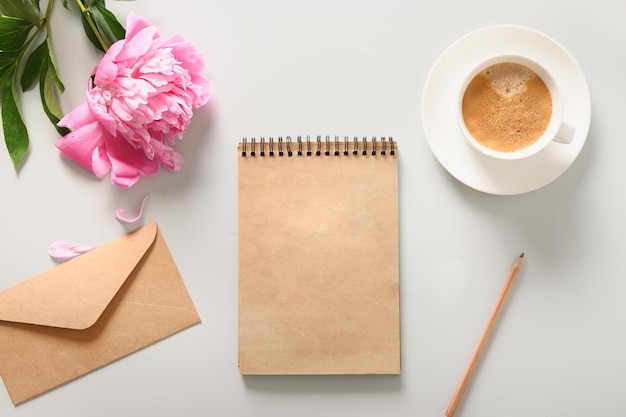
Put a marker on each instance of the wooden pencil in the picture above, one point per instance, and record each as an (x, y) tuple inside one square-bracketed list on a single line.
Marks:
[(458, 394)]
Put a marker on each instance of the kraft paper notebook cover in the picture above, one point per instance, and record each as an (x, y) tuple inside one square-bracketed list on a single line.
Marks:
[(318, 257)]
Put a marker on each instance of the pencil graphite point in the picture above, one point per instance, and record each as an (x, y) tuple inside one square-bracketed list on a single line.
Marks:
[(522, 255)]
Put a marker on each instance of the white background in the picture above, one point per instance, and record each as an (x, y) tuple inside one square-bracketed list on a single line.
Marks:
[(352, 68)]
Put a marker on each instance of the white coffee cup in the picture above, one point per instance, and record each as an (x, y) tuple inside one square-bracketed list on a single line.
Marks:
[(557, 130)]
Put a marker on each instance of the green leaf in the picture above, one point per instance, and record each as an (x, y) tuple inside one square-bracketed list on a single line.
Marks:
[(90, 33), (8, 69), (23, 9), (107, 23), (15, 133), (13, 33), (6, 76), (100, 25), (53, 65), (32, 68), (7, 60), (49, 100)]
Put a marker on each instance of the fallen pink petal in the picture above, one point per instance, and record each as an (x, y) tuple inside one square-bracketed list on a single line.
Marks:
[(139, 102), (64, 251), (119, 214)]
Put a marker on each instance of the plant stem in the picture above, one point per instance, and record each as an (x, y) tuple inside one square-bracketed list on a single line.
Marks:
[(91, 23), (44, 24), (48, 11)]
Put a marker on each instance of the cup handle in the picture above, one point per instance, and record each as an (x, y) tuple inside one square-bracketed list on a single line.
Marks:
[(565, 133)]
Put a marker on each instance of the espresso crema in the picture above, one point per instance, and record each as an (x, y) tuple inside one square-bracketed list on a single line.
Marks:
[(507, 107)]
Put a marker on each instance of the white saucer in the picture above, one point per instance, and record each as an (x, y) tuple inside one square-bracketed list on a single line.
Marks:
[(440, 97)]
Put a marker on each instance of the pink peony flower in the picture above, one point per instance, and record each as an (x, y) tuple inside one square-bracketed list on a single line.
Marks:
[(140, 99)]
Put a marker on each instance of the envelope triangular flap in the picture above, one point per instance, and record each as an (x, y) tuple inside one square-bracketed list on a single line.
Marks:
[(74, 294)]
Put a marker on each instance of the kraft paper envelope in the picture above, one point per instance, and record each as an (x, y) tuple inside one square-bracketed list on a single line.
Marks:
[(90, 311)]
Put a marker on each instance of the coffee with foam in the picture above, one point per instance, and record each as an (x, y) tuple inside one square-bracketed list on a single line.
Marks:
[(507, 107)]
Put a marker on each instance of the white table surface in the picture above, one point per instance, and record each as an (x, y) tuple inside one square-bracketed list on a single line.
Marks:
[(353, 68)]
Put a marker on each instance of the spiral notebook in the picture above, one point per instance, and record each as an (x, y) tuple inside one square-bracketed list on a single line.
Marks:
[(318, 256)]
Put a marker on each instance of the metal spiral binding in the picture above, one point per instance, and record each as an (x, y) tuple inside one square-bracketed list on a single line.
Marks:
[(363, 146)]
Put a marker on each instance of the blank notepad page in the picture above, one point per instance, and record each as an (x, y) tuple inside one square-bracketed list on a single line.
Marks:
[(318, 257)]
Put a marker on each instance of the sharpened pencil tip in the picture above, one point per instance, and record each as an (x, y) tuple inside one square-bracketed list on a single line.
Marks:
[(522, 255)]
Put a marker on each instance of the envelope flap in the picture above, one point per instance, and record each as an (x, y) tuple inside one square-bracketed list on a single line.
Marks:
[(74, 294)]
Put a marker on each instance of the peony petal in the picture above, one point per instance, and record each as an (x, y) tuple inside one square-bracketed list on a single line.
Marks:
[(105, 72), (119, 214), (187, 54), (128, 164), (167, 156), (135, 23), (100, 163), (124, 180), (114, 50), (95, 102), (121, 110), (203, 87), (137, 46), (82, 144), (80, 116), (63, 251)]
